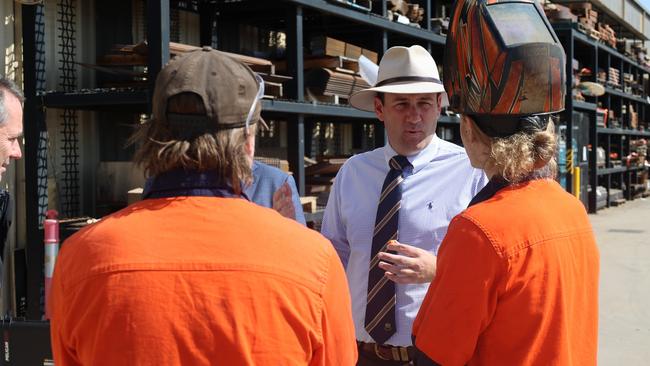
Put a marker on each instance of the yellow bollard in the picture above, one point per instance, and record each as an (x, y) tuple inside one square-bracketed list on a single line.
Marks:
[(576, 182)]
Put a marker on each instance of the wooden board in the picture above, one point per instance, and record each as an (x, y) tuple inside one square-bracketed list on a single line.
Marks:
[(328, 82), (122, 60), (255, 63), (352, 51), (332, 62), (274, 78), (325, 166), (309, 204), (272, 89), (328, 46)]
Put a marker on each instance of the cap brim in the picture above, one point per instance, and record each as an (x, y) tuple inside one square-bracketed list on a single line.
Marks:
[(365, 99)]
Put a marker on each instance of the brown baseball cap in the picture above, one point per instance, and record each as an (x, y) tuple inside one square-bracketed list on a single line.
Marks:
[(229, 90)]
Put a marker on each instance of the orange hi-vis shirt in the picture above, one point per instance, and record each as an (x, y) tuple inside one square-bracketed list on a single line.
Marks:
[(200, 281), (516, 283)]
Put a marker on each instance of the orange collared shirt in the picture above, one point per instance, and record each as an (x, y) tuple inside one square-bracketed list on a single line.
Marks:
[(200, 281), (516, 283)]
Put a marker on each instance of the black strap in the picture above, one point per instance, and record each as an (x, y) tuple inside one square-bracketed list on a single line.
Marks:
[(191, 126), (504, 125), (408, 78), (5, 220)]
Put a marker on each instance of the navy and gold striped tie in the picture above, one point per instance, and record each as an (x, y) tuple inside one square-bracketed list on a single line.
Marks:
[(380, 308)]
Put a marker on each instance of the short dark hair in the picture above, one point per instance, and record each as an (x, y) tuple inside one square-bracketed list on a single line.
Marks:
[(380, 95), (11, 87)]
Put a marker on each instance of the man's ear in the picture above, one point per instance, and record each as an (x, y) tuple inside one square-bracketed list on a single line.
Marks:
[(466, 125), (379, 109), (475, 133)]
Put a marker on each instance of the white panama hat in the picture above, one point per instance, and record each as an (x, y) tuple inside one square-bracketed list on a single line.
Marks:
[(402, 70)]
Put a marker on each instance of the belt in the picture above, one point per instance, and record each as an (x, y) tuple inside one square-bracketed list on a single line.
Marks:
[(387, 352)]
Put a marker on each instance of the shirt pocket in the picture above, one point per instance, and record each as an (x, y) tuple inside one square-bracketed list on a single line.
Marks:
[(417, 226), (440, 218)]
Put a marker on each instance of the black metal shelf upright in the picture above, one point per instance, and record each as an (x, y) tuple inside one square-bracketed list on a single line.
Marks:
[(34, 114), (603, 56), (372, 29)]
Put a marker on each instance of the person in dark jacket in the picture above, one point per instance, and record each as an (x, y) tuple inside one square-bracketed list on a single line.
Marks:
[(11, 129)]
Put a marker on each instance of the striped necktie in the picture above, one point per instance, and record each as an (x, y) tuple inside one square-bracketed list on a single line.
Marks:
[(380, 307)]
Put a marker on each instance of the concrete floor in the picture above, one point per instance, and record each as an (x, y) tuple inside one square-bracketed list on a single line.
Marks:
[(623, 236)]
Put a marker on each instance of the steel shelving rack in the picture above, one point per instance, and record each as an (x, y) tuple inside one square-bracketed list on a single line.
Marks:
[(594, 54), (296, 17)]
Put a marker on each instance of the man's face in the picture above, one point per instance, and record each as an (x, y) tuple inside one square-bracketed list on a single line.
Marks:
[(10, 131), (410, 120)]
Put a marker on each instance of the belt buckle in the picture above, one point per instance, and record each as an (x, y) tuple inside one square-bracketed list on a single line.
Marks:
[(404, 353), (379, 354)]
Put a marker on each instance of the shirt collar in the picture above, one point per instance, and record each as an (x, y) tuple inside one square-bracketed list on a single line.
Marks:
[(494, 185), (420, 159), (180, 182)]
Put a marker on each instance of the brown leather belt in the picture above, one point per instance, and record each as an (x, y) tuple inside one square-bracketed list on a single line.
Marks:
[(387, 352)]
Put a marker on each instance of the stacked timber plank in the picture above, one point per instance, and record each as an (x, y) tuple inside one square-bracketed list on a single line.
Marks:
[(122, 57), (332, 85), (614, 78), (332, 70), (634, 49), (607, 34), (125, 67), (587, 18), (404, 12), (319, 177), (328, 46), (629, 83), (559, 13)]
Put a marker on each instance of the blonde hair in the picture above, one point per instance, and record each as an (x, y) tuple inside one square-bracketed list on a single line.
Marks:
[(524, 156), (223, 151)]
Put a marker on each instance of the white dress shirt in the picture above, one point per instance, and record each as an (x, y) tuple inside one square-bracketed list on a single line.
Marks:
[(440, 185)]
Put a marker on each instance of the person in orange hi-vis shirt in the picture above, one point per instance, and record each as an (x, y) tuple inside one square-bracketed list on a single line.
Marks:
[(195, 274), (517, 273)]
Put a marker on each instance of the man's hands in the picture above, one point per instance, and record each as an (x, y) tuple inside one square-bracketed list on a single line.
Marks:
[(410, 264), (283, 201)]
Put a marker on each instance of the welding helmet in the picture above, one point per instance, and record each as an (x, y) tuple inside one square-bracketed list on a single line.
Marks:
[(503, 64)]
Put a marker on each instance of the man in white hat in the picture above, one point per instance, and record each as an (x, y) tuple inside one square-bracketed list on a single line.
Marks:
[(413, 186)]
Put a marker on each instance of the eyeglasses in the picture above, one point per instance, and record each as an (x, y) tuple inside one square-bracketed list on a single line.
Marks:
[(258, 97)]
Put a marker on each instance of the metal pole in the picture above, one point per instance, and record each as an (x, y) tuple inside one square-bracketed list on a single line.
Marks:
[(296, 125), (157, 38), (34, 123)]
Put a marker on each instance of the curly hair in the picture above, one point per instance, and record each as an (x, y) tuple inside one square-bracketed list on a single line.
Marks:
[(524, 156), (223, 151)]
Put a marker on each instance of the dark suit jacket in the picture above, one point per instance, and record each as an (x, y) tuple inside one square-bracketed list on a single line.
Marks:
[(267, 180)]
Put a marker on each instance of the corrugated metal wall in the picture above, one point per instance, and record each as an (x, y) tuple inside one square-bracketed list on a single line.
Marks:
[(633, 14)]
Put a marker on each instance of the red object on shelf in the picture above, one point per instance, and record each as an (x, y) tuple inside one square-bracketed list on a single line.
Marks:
[(51, 242)]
